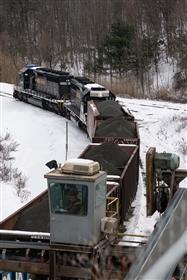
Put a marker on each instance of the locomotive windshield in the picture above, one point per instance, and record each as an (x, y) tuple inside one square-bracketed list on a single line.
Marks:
[(69, 198)]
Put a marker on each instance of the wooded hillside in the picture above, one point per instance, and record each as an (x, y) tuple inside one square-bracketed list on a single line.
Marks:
[(126, 40)]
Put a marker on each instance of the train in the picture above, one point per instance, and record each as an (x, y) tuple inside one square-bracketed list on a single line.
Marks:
[(89, 103), (105, 120), (104, 179)]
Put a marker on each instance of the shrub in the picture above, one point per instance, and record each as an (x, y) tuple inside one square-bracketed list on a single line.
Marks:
[(7, 172)]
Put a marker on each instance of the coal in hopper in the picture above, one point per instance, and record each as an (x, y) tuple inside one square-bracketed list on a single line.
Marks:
[(112, 157), (116, 127)]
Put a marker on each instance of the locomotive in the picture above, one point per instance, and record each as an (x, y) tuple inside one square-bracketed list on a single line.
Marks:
[(59, 91)]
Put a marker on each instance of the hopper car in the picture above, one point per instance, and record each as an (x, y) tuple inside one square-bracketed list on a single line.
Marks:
[(120, 162), (108, 121)]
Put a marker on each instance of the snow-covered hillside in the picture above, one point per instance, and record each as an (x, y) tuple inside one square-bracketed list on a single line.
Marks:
[(41, 138)]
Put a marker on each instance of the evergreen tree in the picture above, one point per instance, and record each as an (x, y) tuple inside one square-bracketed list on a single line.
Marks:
[(117, 48)]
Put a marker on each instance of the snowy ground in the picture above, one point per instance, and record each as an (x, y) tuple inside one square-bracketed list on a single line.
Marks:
[(161, 125), (41, 136)]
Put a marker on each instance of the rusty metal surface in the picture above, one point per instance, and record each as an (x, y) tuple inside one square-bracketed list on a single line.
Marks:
[(180, 175), (51, 262), (116, 139), (34, 216), (150, 180), (43, 269), (129, 182), (24, 266)]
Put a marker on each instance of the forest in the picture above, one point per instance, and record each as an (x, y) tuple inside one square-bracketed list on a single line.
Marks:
[(127, 45)]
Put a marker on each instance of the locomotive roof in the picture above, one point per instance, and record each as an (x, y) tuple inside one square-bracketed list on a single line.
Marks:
[(94, 86), (83, 80), (52, 72)]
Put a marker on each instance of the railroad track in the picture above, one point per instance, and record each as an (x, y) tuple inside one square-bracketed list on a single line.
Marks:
[(153, 106), (6, 94)]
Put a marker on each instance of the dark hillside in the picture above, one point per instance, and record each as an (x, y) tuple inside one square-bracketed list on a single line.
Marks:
[(118, 38)]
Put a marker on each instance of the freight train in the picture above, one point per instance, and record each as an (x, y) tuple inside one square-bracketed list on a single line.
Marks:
[(102, 183), (89, 103), (73, 229)]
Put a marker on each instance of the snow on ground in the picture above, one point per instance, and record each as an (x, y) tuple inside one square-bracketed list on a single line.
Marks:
[(41, 136), (161, 125), (166, 70)]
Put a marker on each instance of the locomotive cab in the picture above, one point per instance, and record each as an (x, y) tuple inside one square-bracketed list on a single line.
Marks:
[(94, 92), (27, 77), (84, 90), (77, 202)]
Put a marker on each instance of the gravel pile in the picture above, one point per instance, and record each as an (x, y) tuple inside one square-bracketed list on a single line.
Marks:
[(35, 218), (111, 157), (109, 108), (116, 127)]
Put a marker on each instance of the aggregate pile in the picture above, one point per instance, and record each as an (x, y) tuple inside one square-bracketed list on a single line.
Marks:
[(110, 156), (109, 108), (117, 127), (35, 218)]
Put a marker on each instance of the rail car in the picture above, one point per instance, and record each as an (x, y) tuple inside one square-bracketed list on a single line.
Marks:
[(108, 121), (120, 162)]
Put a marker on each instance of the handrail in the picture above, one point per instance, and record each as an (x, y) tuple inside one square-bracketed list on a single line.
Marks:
[(114, 201)]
